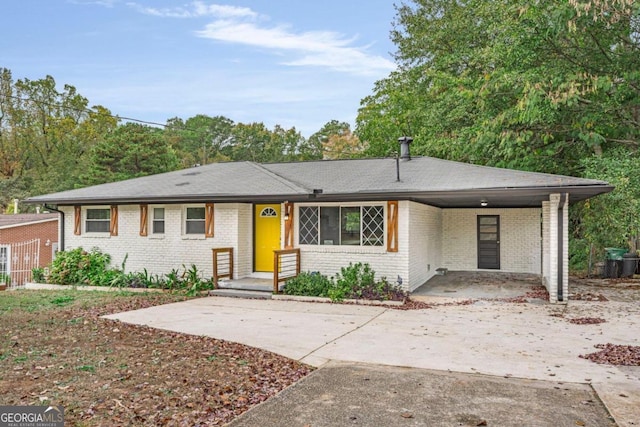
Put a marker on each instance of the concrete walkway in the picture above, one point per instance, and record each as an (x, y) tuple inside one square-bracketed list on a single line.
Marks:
[(492, 338)]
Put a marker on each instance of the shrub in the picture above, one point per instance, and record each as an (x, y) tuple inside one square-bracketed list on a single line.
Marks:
[(381, 290), (5, 279), (351, 280), (308, 284), (193, 283), (79, 267), (37, 275), (357, 281)]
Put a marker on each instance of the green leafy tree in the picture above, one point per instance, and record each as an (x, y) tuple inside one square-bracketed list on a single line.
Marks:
[(286, 145), (613, 219), (45, 135), (335, 141), (256, 143), (200, 139), (250, 142), (130, 151), (509, 83)]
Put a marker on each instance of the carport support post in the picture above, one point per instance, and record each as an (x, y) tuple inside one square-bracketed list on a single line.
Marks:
[(556, 242)]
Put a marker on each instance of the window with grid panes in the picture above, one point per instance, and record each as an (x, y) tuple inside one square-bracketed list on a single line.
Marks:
[(341, 225)]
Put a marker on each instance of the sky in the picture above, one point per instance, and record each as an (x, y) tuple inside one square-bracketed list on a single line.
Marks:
[(295, 63)]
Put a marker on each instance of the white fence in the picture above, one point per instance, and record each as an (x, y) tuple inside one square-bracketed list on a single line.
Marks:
[(17, 260)]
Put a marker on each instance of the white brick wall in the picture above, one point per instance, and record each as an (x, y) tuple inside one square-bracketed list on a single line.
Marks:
[(428, 238), (419, 245), (159, 254), (546, 246), (328, 260), (424, 235), (520, 239), (550, 244), (244, 253)]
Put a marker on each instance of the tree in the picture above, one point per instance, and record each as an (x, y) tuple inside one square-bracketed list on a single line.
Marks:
[(255, 142), (286, 145), (509, 83), (620, 209), (130, 151), (45, 135), (335, 141), (200, 139)]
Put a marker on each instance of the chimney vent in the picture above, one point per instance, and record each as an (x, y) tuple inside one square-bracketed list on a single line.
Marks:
[(405, 152)]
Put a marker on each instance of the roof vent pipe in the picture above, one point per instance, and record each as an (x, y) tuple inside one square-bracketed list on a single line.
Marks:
[(405, 152)]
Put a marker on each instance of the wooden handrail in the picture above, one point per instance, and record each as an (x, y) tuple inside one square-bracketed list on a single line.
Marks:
[(286, 265), (219, 264)]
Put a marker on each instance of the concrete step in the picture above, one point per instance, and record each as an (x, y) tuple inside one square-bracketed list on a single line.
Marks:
[(240, 293)]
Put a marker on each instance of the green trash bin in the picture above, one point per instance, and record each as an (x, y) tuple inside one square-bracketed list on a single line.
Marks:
[(615, 253), (613, 265)]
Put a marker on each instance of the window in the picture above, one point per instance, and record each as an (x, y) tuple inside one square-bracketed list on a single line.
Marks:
[(195, 221), (341, 225), (98, 220), (157, 226), (5, 265), (268, 212), (308, 225)]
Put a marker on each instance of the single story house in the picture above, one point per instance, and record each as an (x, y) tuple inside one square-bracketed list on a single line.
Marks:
[(405, 218), (26, 241)]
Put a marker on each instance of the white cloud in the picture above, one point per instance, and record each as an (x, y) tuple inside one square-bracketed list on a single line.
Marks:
[(313, 48), (105, 3), (196, 9), (241, 25)]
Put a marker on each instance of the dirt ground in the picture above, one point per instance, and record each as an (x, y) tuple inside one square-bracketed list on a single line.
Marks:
[(618, 290), (56, 350)]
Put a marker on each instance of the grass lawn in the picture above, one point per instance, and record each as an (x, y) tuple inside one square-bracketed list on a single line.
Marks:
[(56, 349)]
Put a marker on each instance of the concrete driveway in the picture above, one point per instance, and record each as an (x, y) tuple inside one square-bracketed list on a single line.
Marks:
[(506, 340)]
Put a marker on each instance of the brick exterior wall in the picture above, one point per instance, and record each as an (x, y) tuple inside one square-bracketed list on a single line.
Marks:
[(428, 238), (520, 239), (244, 255), (546, 246), (45, 231), (159, 254), (550, 244), (424, 237), (328, 260), (418, 256)]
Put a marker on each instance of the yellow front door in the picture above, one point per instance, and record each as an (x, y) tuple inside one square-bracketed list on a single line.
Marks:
[(267, 237)]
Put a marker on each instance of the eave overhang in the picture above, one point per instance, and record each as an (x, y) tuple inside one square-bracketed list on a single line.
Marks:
[(518, 197)]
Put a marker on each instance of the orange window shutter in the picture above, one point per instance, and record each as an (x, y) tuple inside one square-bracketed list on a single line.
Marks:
[(114, 220), (144, 216), (208, 220), (288, 225), (77, 220), (392, 226)]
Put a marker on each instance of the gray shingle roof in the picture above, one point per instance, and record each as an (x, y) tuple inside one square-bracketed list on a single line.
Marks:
[(418, 174), (24, 219), (424, 179)]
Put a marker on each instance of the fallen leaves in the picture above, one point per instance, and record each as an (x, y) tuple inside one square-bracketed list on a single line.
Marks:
[(588, 296), (106, 372), (612, 354), (586, 320)]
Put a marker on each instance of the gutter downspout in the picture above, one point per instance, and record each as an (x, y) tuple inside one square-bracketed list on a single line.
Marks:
[(561, 204), (61, 245)]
